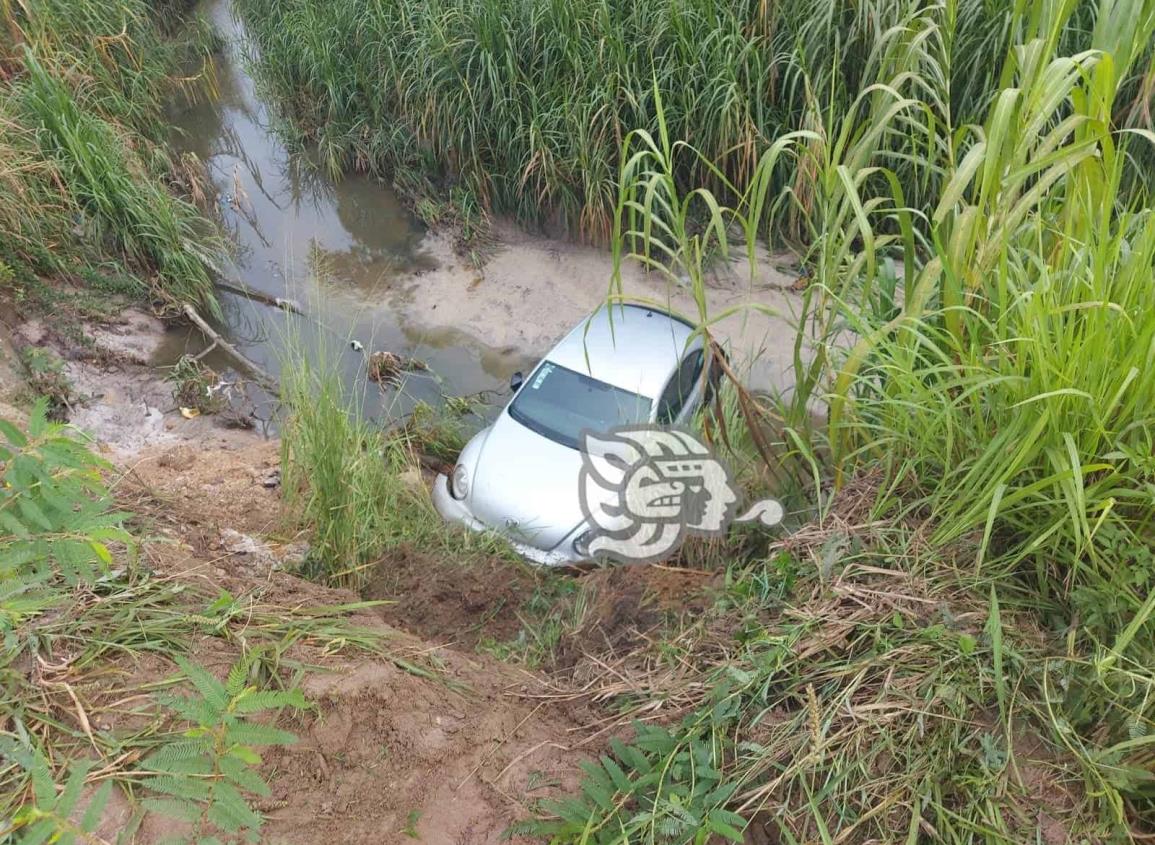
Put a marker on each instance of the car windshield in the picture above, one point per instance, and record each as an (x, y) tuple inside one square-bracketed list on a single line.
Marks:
[(559, 403)]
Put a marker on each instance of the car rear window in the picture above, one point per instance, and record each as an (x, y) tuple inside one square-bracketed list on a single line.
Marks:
[(560, 404)]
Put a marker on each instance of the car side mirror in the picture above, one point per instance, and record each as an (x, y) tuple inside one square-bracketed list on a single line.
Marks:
[(516, 380)]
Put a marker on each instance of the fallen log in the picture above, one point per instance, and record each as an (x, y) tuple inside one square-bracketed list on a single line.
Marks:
[(263, 380), (290, 305)]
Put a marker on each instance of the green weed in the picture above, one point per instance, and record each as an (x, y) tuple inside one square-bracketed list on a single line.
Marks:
[(55, 520), (139, 214), (207, 776), (355, 486), (554, 611), (977, 328), (46, 378), (76, 614), (524, 105), (52, 815), (82, 146)]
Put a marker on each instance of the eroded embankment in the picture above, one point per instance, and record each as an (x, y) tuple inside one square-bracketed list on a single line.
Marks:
[(496, 681), (423, 741), (428, 741)]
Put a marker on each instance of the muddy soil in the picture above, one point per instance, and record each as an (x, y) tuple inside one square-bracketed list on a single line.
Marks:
[(458, 604), (533, 289), (453, 753), (116, 397), (434, 740), (387, 756)]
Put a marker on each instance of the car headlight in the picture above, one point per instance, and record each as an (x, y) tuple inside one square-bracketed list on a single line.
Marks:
[(459, 482), (581, 543)]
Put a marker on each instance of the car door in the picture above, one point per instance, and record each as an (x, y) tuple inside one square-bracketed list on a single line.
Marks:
[(683, 392)]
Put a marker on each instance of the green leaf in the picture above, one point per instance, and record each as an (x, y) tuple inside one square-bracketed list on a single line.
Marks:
[(596, 786), (252, 734), (12, 434), (39, 832), (12, 525), (235, 807), (245, 754), (212, 690), (72, 788), (619, 778), (191, 789), (101, 551), (239, 673), (95, 809), (38, 423), (187, 811), (256, 701)]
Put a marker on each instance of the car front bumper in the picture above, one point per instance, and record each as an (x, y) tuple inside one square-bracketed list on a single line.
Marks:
[(453, 510)]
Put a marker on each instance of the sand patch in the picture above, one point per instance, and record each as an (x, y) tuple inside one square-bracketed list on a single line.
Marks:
[(534, 289)]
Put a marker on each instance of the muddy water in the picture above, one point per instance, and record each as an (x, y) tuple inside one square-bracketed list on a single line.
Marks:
[(343, 249)]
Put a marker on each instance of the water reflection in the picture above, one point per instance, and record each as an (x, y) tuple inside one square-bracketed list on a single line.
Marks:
[(340, 249)]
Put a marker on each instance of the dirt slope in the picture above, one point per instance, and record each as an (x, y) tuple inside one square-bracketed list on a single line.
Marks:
[(387, 756)]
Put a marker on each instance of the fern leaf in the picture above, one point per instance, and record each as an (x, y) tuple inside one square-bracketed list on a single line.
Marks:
[(242, 755), (186, 789), (229, 805), (619, 778), (174, 756), (179, 764), (12, 525), (725, 823), (211, 690), (39, 832), (33, 513), (185, 811), (95, 809), (256, 701), (241, 776), (596, 786), (12, 434), (73, 787), (38, 424), (196, 710), (720, 794), (571, 810), (43, 785), (246, 733), (239, 673)]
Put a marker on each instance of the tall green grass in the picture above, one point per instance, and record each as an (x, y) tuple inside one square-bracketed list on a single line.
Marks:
[(997, 353), (84, 173), (355, 489), (984, 351), (526, 102), (136, 213)]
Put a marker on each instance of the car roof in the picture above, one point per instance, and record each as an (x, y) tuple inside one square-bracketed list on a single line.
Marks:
[(633, 347)]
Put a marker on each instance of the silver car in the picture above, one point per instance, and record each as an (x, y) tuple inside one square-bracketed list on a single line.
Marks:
[(519, 476)]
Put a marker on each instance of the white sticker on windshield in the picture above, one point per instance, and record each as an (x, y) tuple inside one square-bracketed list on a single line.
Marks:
[(540, 378)]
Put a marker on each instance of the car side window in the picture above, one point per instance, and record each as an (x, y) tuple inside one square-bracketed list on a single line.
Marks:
[(680, 388)]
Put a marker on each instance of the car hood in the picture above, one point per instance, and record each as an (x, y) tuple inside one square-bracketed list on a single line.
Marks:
[(525, 485)]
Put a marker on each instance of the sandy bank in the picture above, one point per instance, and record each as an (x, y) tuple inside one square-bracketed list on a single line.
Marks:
[(533, 289)]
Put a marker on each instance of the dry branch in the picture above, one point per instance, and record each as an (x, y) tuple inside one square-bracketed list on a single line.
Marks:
[(263, 379), (290, 305)]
